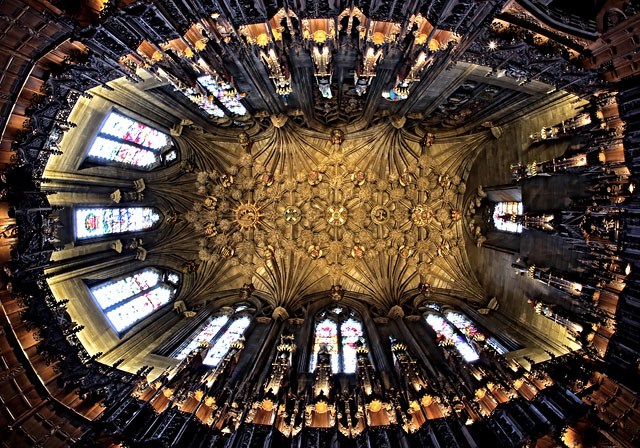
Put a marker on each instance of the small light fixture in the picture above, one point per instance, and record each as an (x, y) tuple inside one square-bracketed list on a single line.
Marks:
[(493, 45)]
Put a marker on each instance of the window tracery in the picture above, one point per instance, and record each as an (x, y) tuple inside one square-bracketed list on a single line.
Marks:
[(126, 141), (129, 299), (339, 331), (505, 216), (101, 221)]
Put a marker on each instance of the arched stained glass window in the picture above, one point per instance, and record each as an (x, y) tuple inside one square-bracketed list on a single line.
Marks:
[(205, 334), (224, 341), (504, 216), (463, 324), (340, 331), (96, 222), (446, 334), (129, 142), (129, 299)]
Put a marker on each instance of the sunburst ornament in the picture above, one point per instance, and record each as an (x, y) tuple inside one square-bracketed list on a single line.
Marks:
[(247, 215)]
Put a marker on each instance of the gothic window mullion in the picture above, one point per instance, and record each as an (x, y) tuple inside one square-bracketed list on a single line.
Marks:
[(221, 331), (339, 323), (126, 142)]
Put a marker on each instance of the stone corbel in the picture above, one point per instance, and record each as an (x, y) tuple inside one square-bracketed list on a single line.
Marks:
[(139, 185), (116, 245), (279, 120), (176, 130), (398, 121), (280, 313), (396, 312)]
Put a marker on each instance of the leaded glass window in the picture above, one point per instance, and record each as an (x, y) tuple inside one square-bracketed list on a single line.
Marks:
[(225, 93), (448, 336), (101, 221), (126, 141), (339, 331), (129, 299), (224, 341), (505, 216), (327, 335), (462, 323), (351, 331), (205, 334)]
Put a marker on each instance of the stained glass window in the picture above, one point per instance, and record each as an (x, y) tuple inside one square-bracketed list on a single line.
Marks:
[(115, 292), (326, 334), (129, 313), (203, 101), (223, 342), (448, 336), (124, 140), (462, 323), (173, 278), (340, 331), (351, 332), (225, 93), (95, 222), (206, 334), (171, 156), (127, 300), (504, 215)]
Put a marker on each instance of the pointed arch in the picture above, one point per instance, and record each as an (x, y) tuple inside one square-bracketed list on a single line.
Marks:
[(339, 330)]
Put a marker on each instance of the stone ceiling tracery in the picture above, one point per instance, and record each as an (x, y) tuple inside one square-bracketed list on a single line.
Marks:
[(375, 212)]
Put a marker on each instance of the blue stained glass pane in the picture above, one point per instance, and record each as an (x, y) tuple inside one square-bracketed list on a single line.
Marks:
[(105, 149), (95, 222), (221, 346), (133, 131), (351, 332), (131, 312), (207, 333), (326, 333), (447, 335), (115, 292)]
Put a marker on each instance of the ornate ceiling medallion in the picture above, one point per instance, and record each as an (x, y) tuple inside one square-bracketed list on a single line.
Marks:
[(292, 214), (247, 216), (380, 214), (336, 215), (421, 216)]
